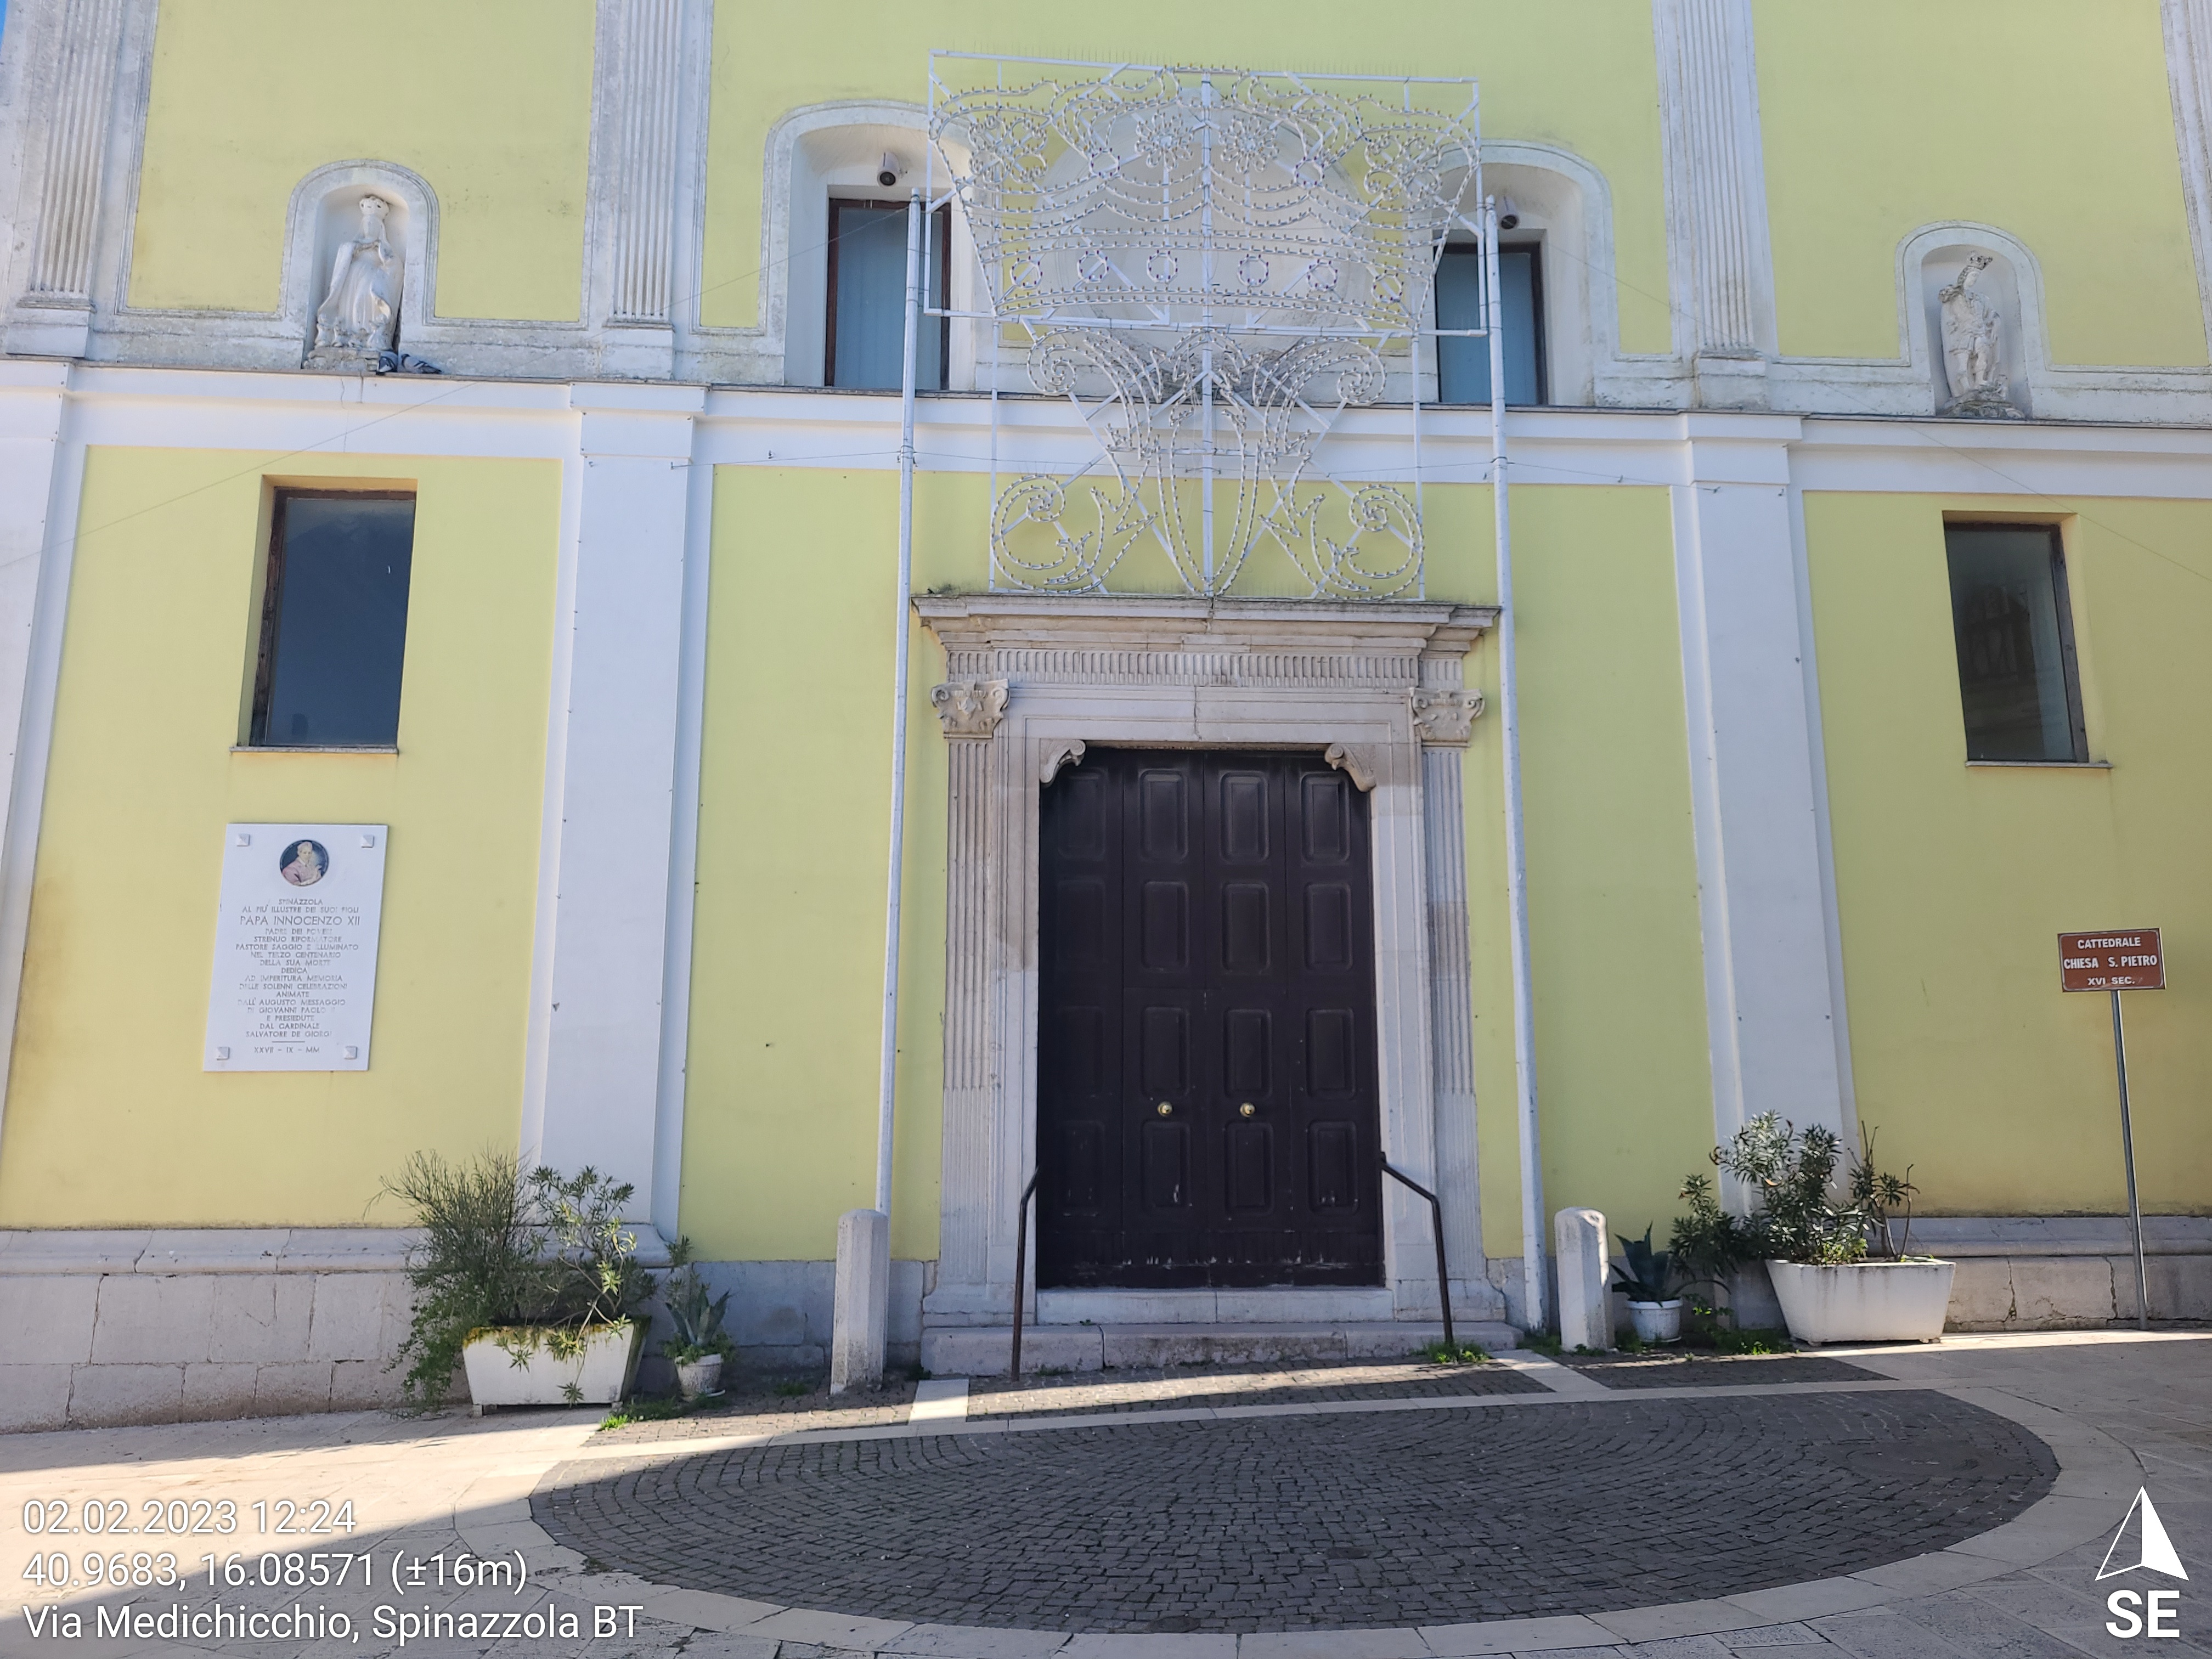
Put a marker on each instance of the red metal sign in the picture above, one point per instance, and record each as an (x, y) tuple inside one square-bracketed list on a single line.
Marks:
[(2120, 959)]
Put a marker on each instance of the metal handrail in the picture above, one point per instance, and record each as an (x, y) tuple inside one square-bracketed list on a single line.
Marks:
[(1436, 1220), (1021, 1268)]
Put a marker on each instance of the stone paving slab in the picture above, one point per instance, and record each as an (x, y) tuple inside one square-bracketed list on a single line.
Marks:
[(768, 1405), (1678, 1369), (1127, 1390)]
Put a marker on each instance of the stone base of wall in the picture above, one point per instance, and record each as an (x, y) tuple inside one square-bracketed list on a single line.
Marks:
[(2036, 1273), (195, 1325), (2015, 1273), (108, 1328), (780, 1312)]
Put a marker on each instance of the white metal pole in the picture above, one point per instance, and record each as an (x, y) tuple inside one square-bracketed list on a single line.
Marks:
[(887, 1100), (1517, 863), (2128, 1150), (1206, 327)]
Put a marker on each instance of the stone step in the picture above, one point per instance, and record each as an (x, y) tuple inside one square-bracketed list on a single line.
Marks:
[(986, 1349)]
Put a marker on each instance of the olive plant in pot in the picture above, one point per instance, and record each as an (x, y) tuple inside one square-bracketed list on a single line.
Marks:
[(1840, 1270), (698, 1343), (530, 1284), (1654, 1311)]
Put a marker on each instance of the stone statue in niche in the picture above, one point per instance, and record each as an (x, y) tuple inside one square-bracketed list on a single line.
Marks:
[(355, 322), (1973, 346)]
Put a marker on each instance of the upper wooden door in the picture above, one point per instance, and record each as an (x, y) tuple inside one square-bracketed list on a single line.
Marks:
[(1206, 1102)]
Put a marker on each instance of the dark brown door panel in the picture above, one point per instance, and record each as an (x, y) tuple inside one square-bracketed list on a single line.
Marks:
[(1207, 1108)]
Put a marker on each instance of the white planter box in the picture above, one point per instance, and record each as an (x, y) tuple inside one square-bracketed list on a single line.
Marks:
[(1864, 1301), (601, 1374)]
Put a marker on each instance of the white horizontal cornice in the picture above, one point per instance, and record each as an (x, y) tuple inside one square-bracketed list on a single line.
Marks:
[(301, 415)]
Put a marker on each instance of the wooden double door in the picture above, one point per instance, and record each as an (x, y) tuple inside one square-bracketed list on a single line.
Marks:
[(1206, 1098)]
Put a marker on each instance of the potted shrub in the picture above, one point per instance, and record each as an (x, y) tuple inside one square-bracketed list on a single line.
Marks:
[(1840, 1271), (530, 1284), (699, 1344), (1653, 1312)]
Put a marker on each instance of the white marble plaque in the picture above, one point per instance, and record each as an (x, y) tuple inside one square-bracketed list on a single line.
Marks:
[(295, 984)]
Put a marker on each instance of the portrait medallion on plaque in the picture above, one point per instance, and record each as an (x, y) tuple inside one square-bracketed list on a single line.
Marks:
[(295, 983)]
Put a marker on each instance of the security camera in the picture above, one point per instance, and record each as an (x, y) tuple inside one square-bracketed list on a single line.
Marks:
[(888, 170), (1509, 213)]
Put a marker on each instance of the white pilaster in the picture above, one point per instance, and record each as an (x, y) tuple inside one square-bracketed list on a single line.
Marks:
[(970, 925), (683, 855), (593, 1096), (1443, 720), (1721, 264), (1771, 1000), (640, 188), (67, 100), (644, 197), (40, 477), (2188, 27)]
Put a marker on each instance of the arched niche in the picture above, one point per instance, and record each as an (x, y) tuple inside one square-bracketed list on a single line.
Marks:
[(324, 212), (834, 151), (1565, 209), (1931, 258)]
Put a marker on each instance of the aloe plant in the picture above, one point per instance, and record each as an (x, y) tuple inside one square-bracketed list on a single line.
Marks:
[(1650, 1274), (696, 1321)]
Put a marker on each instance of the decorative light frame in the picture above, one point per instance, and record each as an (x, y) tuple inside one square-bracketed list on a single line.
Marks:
[(1212, 265)]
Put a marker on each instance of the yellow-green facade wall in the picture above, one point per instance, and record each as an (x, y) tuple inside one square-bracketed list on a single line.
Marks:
[(795, 811), (1866, 137), (2048, 120), (110, 1122), (1953, 881), (1994, 1089), (250, 96)]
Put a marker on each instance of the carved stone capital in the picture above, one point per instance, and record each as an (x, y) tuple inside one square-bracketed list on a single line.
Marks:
[(1053, 753), (1355, 764), (969, 708), (1446, 718)]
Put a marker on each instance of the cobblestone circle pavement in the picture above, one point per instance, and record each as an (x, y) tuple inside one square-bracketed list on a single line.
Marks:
[(1333, 1521)]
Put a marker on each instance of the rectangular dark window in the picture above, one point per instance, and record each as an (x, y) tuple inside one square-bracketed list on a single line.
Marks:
[(1463, 361), (865, 332), (2015, 636), (333, 621)]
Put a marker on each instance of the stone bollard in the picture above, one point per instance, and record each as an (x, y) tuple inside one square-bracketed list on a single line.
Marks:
[(1585, 1303), (863, 1300)]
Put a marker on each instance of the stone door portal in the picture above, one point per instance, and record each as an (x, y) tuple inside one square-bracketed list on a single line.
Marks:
[(1206, 1079)]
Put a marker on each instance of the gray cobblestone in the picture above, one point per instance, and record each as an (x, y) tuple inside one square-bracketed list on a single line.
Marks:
[(1336, 1520)]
